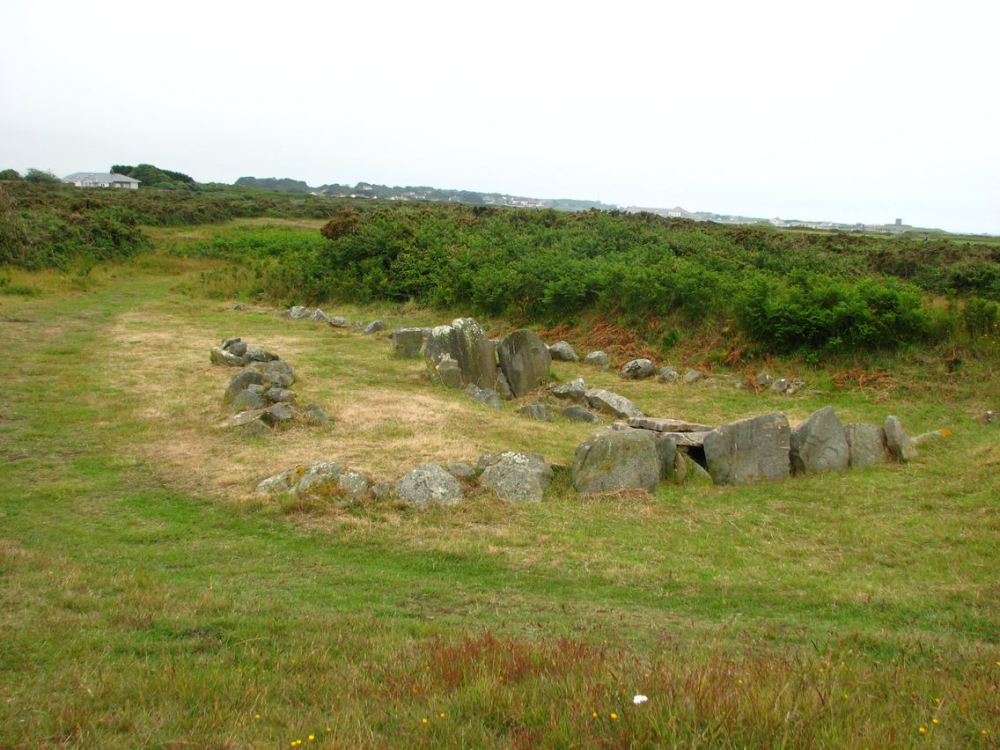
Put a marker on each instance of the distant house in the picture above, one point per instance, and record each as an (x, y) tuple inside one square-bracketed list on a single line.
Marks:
[(101, 180)]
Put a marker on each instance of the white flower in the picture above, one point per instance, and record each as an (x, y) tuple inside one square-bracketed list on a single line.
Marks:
[(639, 699)]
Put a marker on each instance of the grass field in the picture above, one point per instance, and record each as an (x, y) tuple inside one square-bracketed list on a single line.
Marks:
[(148, 599)]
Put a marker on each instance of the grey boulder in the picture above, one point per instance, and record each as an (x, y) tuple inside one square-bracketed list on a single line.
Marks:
[(668, 375), (248, 400), (612, 460), (899, 443), (561, 351), (750, 450), (466, 343), (241, 382), (225, 359), (819, 444), (866, 443), (525, 360), (637, 369), (515, 476), (600, 360), (611, 403), (407, 342), (538, 410), (428, 483), (577, 413), (574, 390), (374, 327)]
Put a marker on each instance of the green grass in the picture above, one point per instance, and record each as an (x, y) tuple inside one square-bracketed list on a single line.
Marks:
[(144, 602)]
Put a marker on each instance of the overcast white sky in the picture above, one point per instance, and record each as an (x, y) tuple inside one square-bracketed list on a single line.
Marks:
[(849, 111)]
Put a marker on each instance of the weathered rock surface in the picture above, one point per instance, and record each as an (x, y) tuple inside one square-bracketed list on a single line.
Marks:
[(750, 450), (281, 395), (689, 471), (666, 449), (319, 479), (448, 373), (248, 400), (637, 369), (277, 414), (668, 375), (461, 470), (614, 460), (577, 413), (866, 443), (692, 376), (466, 343), (503, 387), (381, 490), (574, 390), (261, 355), (240, 382), (249, 423), (600, 360), (611, 403), (236, 347), (538, 410), (819, 444), (899, 443), (407, 342), (487, 396), (352, 484), (525, 360), (283, 482), (374, 327), (516, 476), (315, 413), (561, 351), (223, 358), (428, 483), (336, 321), (661, 424), (275, 371)]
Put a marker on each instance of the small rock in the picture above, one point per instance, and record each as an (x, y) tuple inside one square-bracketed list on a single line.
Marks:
[(576, 413), (574, 390), (779, 386), (988, 417), (637, 369), (538, 410), (241, 382), (352, 484), (225, 359), (381, 490), (763, 379), (315, 413), (248, 400), (600, 360), (319, 479), (689, 471), (794, 387), (249, 423), (428, 483), (277, 414), (283, 482), (692, 376), (561, 351), (338, 322), (259, 355), (281, 396), (489, 397), (461, 471), (611, 403), (374, 327), (668, 375), (318, 316)]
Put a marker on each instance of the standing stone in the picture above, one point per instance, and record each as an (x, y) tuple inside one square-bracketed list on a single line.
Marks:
[(519, 477), (637, 369), (574, 390), (866, 443), (600, 360), (428, 483), (374, 327), (611, 403), (561, 351), (899, 443), (668, 375), (819, 444), (666, 449), (525, 360), (750, 450), (466, 343), (407, 342), (616, 460)]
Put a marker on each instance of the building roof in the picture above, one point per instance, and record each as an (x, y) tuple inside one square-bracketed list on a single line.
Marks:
[(97, 177)]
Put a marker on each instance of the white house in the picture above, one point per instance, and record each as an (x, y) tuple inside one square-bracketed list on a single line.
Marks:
[(101, 180)]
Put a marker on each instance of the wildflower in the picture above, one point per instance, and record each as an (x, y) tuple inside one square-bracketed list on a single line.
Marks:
[(614, 717), (594, 714), (312, 737), (328, 729), (639, 699), (424, 720), (256, 716), (923, 730), (936, 721), (739, 682), (442, 714)]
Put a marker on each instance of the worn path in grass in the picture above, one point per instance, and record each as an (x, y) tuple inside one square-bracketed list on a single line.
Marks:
[(145, 599)]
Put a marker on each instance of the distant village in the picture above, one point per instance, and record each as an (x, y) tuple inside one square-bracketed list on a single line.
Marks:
[(897, 227)]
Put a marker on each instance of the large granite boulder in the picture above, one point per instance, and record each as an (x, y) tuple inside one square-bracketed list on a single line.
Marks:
[(611, 403), (407, 342), (561, 351), (600, 360), (516, 476), (819, 444), (429, 483), (525, 360), (750, 450), (616, 460), (899, 443), (866, 443), (637, 369), (465, 342)]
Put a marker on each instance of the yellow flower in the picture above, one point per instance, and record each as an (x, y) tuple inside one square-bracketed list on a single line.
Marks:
[(442, 714), (594, 714), (312, 737), (614, 717), (936, 721), (424, 720), (923, 730)]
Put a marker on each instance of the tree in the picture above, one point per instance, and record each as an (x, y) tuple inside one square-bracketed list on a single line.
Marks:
[(9, 174), (41, 177)]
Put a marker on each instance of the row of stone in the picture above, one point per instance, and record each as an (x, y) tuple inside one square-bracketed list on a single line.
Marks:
[(259, 398), (299, 312), (513, 476)]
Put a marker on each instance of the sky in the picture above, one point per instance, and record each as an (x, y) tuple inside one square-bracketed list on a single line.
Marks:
[(849, 111)]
